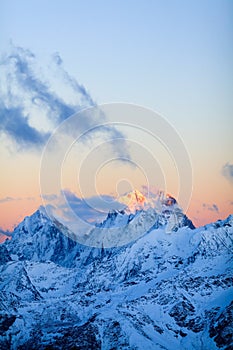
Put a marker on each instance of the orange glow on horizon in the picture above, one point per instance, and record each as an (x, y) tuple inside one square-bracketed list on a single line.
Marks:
[(13, 212)]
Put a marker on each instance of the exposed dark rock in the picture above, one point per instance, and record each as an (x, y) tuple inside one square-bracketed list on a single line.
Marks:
[(6, 321), (221, 328), (4, 255), (181, 311)]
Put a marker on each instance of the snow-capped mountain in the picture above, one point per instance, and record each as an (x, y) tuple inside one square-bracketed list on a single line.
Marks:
[(169, 288), (139, 217), (133, 201), (164, 206)]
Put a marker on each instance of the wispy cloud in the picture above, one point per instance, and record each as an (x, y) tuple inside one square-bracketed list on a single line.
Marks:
[(23, 90), (211, 207), (13, 199), (32, 106), (15, 124), (95, 207), (6, 233), (6, 199), (227, 171), (49, 197), (89, 209), (72, 82)]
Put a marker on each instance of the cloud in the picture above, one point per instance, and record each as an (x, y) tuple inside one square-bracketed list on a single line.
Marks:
[(213, 207), (5, 232), (90, 209), (71, 81), (9, 199), (227, 171), (12, 199), (23, 91), (15, 124), (49, 197), (4, 235), (6, 199), (93, 207), (32, 106)]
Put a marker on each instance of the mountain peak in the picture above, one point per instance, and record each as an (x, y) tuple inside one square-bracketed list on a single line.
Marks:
[(133, 200), (159, 291)]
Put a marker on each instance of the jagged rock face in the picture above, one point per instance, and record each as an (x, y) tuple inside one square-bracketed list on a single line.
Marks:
[(38, 238), (221, 328), (161, 291), (140, 217), (4, 255)]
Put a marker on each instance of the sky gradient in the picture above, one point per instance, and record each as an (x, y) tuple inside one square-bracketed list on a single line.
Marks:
[(174, 57)]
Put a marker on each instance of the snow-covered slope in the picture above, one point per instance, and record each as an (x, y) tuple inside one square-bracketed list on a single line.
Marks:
[(139, 217), (160, 291)]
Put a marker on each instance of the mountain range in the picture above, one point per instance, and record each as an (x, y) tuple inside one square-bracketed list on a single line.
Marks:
[(144, 278)]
